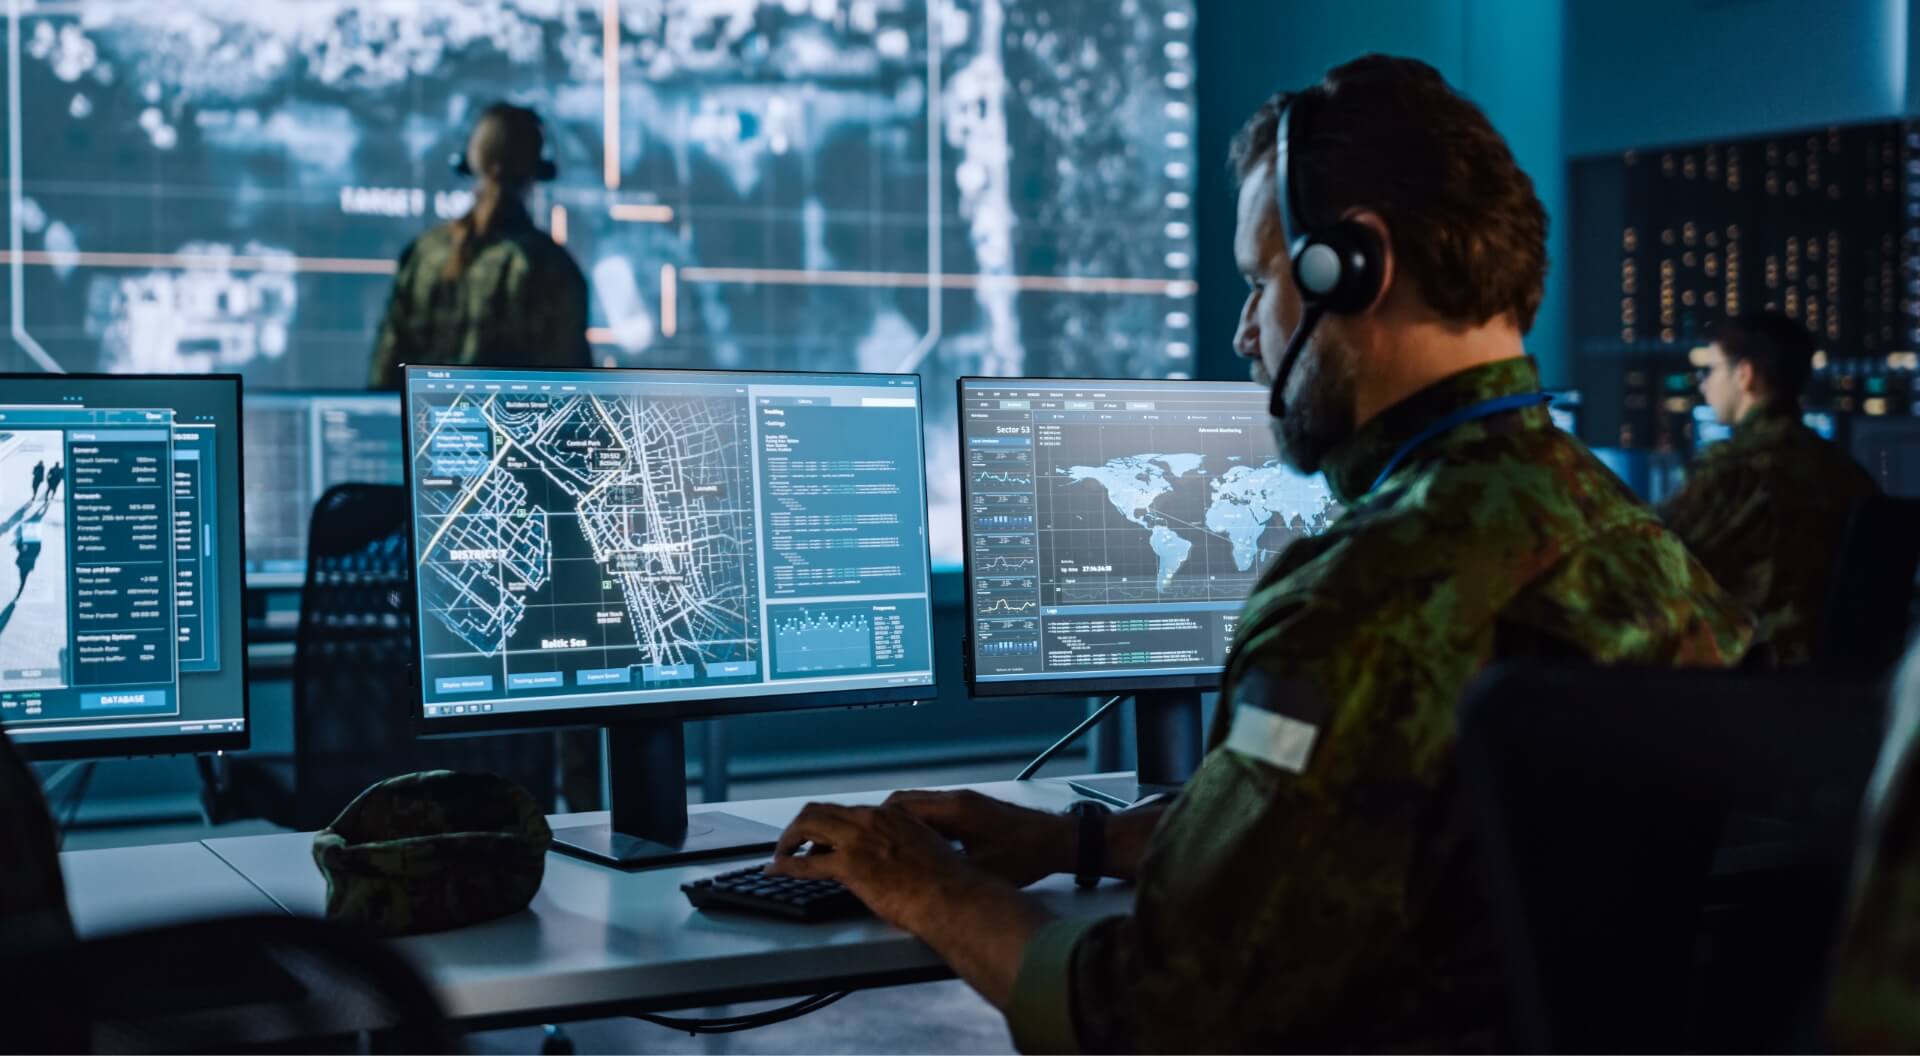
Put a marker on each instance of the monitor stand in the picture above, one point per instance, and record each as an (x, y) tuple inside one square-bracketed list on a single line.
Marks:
[(1167, 744), (648, 824)]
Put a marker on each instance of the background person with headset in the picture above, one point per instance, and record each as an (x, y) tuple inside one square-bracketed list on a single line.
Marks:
[(489, 288), (1311, 887)]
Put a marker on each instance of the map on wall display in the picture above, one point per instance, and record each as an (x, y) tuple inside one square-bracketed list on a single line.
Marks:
[(943, 187)]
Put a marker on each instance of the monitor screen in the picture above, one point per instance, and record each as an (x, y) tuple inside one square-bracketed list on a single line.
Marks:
[(120, 631), (1565, 409), (1115, 528), (299, 444), (680, 543), (1707, 428), (1890, 449)]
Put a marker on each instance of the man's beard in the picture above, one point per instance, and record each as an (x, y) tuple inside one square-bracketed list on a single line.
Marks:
[(1319, 403)]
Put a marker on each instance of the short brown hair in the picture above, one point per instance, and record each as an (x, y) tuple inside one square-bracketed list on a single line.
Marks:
[(1391, 136)]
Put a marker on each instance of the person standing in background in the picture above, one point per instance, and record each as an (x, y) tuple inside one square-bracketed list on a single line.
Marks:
[(488, 289)]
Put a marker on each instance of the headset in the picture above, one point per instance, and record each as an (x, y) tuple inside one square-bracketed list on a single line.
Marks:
[(1337, 266), (545, 171)]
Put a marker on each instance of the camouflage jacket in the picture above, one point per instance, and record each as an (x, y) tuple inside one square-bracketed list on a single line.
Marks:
[(1312, 887), (521, 302), (1874, 1000), (1764, 511)]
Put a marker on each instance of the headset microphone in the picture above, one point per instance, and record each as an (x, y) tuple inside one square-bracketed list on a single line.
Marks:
[(1277, 402), (1336, 267)]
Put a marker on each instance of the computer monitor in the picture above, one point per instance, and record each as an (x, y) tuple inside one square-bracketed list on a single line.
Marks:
[(1565, 409), (1709, 430), (121, 586), (1823, 423), (632, 548), (299, 444), (1113, 531)]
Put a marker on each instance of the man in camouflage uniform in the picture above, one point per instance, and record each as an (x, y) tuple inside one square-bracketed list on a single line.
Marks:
[(492, 290), (488, 289), (1312, 886), (1765, 510)]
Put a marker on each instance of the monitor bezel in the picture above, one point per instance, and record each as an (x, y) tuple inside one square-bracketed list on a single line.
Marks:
[(644, 710), (1037, 687), (291, 581), (154, 747)]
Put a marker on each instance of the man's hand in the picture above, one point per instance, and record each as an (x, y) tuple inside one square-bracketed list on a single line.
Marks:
[(907, 874), (898, 866), (1017, 844)]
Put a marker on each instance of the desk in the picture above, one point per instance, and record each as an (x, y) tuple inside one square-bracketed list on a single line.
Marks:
[(599, 940), (123, 888)]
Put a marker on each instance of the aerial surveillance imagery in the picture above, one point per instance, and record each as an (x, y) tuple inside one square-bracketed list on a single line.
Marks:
[(947, 187)]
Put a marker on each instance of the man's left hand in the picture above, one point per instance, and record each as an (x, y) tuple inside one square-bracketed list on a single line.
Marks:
[(892, 860)]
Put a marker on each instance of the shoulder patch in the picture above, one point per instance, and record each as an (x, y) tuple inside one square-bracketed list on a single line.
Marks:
[(1276, 721)]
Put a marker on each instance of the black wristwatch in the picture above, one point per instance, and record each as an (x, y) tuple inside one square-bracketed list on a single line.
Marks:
[(1092, 861)]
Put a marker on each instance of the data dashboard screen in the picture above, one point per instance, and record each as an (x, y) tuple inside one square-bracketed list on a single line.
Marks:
[(1114, 529), (590, 539), (120, 588), (942, 186), (299, 444)]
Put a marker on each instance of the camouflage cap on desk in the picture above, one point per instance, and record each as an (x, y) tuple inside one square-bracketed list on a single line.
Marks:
[(430, 851)]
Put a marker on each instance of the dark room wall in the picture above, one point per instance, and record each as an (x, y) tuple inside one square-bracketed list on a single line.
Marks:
[(1505, 54), (1649, 72)]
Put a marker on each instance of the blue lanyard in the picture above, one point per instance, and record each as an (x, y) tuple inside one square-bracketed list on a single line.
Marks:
[(1483, 409)]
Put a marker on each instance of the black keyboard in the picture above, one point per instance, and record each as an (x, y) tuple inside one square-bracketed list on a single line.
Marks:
[(751, 890)]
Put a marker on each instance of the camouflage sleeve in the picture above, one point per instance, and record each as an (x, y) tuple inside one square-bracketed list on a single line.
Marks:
[(555, 301), (1276, 879), (1716, 504), (393, 347)]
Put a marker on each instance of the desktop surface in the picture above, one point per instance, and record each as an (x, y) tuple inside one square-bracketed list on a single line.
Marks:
[(1114, 529), (122, 631), (596, 936)]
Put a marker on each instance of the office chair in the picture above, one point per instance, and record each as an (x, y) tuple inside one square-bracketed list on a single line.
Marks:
[(353, 696), (1599, 801), (238, 984), (1864, 627)]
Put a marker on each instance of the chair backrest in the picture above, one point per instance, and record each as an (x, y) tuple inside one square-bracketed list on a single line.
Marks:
[(353, 691), (1600, 801), (252, 983), (33, 894), (1869, 602)]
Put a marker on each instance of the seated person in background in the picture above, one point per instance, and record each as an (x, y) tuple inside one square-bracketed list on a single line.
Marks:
[(1765, 510), (1312, 886), (1874, 1000)]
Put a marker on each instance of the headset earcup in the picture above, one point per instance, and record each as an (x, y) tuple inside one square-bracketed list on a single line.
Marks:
[(457, 161), (1339, 267), (548, 171)]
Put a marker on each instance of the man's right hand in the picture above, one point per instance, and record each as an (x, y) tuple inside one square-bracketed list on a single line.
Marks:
[(1017, 844)]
